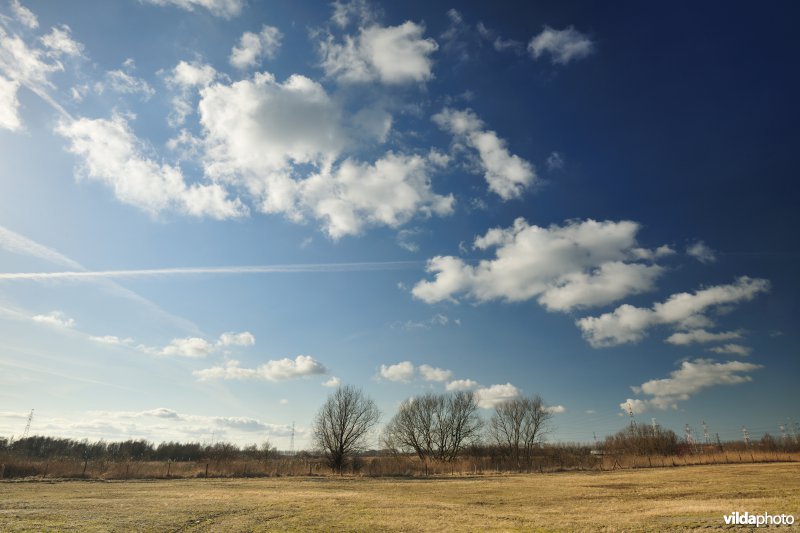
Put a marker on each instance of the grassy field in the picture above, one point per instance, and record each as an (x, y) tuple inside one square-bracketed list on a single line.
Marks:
[(646, 499)]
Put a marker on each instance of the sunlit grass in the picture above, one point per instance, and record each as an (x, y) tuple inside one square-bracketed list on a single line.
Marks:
[(647, 499)]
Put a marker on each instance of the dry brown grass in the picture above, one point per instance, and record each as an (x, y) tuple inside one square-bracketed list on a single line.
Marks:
[(628, 500)]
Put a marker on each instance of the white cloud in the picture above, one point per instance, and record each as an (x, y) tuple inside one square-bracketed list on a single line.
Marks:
[(24, 15), (490, 397), (555, 409), (9, 105), (389, 192), (701, 252), (430, 373), (332, 382), (220, 8), (28, 66), (156, 425), (59, 41), (259, 127), (651, 255), (393, 55), (197, 346), (275, 370), (563, 46), (555, 161), (110, 339), (701, 336), (362, 11), (113, 155), (188, 347), (434, 321), (253, 47), (191, 75), (462, 384), (244, 338), (508, 175), (55, 319), (579, 264), (280, 142), (403, 371), (630, 324), (124, 82), (691, 378), (732, 348), (284, 401), (187, 77)]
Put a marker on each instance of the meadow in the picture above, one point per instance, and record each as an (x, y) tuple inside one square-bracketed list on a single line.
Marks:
[(645, 499)]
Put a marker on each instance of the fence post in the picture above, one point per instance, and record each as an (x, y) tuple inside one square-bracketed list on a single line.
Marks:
[(206, 469)]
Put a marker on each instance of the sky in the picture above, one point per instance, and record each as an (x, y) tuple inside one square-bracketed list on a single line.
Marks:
[(214, 212)]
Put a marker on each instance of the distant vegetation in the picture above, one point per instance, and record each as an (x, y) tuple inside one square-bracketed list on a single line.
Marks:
[(432, 434)]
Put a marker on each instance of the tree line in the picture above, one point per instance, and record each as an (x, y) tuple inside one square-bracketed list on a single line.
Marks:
[(41, 447), (434, 427)]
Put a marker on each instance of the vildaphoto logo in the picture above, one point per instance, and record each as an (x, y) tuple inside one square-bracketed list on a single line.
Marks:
[(746, 519)]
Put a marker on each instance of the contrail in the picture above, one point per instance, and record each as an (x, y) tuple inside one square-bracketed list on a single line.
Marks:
[(258, 269)]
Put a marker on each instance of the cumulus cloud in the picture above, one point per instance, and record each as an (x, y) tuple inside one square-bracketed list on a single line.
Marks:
[(258, 128), (462, 384), (9, 105), (691, 378), (555, 409), (555, 161), (700, 336), (562, 46), (54, 319), (389, 192), (733, 349), (123, 81), (26, 66), (186, 78), (112, 154), (59, 41), (392, 55), (244, 338), (507, 175), (110, 339), (360, 11), (579, 264), (646, 254), (221, 8), (430, 373), (24, 15), (628, 324), (403, 371), (198, 346), (274, 370), (253, 47), (494, 395), (332, 382), (406, 371), (702, 252), (188, 347), (434, 321), (258, 131), (156, 425)]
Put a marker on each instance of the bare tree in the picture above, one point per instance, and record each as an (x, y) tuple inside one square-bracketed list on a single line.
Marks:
[(343, 424), (519, 425), (434, 426)]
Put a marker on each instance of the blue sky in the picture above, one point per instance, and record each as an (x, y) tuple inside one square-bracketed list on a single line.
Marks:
[(213, 211)]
